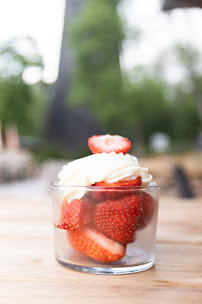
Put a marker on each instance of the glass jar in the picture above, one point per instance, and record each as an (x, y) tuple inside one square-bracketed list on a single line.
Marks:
[(105, 230)]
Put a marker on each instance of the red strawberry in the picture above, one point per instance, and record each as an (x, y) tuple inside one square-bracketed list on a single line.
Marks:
[(76, 214), (118, 218), (109, 143), (94, 244), (129, 183), (111, 193), (148, 207)]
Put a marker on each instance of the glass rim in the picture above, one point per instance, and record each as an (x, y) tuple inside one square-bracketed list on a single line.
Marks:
[(151, 186)]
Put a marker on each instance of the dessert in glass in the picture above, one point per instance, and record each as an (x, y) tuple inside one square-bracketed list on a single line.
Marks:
[(105, 211)]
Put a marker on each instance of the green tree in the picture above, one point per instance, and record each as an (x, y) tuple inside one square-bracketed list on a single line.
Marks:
[(123, 107), (185, 121), (187, 92), (135, 108), (96, 39), (190, 59), (146, 109), (18, 100)]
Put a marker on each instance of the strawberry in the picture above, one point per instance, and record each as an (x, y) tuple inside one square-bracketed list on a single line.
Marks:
[(114, 190), (109, 143), (92, 243), (118, 218), (129, 183), (75, 214), (148, 208)]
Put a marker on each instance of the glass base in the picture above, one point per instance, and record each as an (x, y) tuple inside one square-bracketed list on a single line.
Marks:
[(110, 271)]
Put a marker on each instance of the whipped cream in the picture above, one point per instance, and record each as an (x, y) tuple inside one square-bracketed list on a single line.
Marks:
[(108, 167)]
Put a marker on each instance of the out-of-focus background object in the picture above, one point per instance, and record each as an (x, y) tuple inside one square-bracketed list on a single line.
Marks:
[(92, 67), (171, 4)]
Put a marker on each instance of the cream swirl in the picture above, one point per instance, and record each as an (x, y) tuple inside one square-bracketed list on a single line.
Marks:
[(108, 167)]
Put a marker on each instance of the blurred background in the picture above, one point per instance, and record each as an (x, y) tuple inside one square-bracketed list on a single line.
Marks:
[(72, 69)]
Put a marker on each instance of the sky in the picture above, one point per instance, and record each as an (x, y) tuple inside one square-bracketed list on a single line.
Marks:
[(43, 21), (40, 19), (160, 31)]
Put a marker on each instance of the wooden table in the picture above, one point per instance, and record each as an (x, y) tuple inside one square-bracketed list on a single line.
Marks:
[(30, 274)]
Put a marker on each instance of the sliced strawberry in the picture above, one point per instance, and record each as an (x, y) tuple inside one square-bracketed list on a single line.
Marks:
[(111, 193), (76, 214), (148, 208), (118, 218), (129, 183), (109, 143), (92, 243)]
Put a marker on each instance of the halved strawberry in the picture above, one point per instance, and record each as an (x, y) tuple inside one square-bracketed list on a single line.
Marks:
[(92, 243), (111, 193), (109, 143), (75, 214), (118, 218), (148, 208), (130, 183)]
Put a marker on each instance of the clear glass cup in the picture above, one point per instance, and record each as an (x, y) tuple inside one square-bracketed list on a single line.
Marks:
[(105, 230)]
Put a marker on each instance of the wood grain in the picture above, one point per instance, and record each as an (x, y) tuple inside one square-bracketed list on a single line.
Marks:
[(28, 269), (179, 220), (33, 260), (63, 293)]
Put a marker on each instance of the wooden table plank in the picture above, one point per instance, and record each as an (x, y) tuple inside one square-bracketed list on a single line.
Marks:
[(33, 260), (28, 207), (63, 293), (37, 228), (179, 220), (28, 267)]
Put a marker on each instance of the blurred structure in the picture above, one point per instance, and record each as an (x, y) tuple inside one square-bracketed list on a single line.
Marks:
[(199, 141), (160, 142), (183, 182), (178, 174), (15, 163), (1, 138), (65, 126), (12, 140), (172, 4)]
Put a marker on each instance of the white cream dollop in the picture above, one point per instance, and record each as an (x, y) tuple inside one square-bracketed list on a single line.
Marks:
[(108, 167)]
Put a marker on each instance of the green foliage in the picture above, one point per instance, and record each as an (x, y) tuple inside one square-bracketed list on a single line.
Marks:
[(146, 108), (187, 55), (14, 62), (187, 104), (14, 103), (48, 150), (184, 119), (96, 39), (19, 102), (122, 106), (139, 107)]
